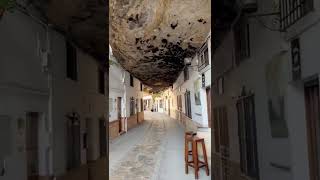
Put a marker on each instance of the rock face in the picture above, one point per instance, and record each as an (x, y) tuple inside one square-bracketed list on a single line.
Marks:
[(83, 21), (151, 38)]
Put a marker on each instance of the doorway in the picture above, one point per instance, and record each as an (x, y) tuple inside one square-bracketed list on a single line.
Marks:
[(169, 106), (119, 108), (248, 136), (208, 90), (311, 90), (188, 104), (32, 134), (73, 141)]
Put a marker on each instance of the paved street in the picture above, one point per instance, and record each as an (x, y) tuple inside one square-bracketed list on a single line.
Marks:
[(153, 150)]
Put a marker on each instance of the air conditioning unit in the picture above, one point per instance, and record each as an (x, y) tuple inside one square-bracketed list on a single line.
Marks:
[(249, 6)]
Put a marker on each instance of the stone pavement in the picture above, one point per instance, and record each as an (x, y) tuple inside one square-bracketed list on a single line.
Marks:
[(152, 151)]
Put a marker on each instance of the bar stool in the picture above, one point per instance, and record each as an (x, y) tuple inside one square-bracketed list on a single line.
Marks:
[(187, 152), (195, 163)]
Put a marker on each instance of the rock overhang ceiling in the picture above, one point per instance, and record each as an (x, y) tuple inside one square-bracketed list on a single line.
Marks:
[(151, 38)]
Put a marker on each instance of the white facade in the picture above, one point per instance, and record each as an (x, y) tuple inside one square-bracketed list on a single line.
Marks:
[(199, 111), (266, 46), (119, 86), (27, 86)]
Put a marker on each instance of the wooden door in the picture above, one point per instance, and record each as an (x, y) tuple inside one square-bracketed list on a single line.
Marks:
[(224, 143), (32, 145), (73, 143), (312, 117), (119, 114), (209, 106)]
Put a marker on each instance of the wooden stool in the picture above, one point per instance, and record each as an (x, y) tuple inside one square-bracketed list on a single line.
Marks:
[(195, 163), (187, 152)]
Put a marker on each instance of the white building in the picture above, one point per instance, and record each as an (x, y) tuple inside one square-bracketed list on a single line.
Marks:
[(48, 104), (187, 100), (270, 82), (125, 100)]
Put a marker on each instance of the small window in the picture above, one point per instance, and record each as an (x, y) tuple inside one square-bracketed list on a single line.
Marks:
[(141, 86), (132, 106), (186, 73), (72, 71), (131, 81), (203, 57), (101, 81), (242, 40)]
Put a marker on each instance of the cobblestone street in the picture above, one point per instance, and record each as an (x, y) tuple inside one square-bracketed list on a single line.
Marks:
[(153, 150)]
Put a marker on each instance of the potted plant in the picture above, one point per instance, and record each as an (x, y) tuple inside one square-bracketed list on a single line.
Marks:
[(6, 5)]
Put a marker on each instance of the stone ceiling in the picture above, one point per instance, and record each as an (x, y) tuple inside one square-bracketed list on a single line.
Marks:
[(83, 21), (151, 38)]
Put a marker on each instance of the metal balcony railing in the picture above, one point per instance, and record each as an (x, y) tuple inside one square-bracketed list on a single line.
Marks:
[(292, 11)]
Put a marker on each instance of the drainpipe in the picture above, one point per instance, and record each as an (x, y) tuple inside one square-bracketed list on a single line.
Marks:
[(50, 102)]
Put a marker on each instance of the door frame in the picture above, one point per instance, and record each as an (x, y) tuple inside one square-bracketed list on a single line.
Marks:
[(311, 93), (119, 108), (209, 105), (30, 118)]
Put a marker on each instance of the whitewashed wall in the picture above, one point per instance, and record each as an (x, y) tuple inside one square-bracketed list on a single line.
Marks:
[(23, 87), (116, 89), (265, 45)]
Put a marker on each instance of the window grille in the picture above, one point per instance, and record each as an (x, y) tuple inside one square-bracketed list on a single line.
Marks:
[(292, 11)]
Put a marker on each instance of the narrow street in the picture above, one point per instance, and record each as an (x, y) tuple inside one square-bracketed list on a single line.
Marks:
[(153, 150)]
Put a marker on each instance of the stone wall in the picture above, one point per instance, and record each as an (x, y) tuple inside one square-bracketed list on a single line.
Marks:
[(113, 129)]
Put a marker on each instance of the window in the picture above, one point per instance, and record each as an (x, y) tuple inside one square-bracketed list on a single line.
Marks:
[(132, 106), (188, 104), (242, 40), (131, 80), (203, 57), (141, 87), (72, 71), (247, 137), (101, 81), (292, 11), (220, 85), (186, 73)]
